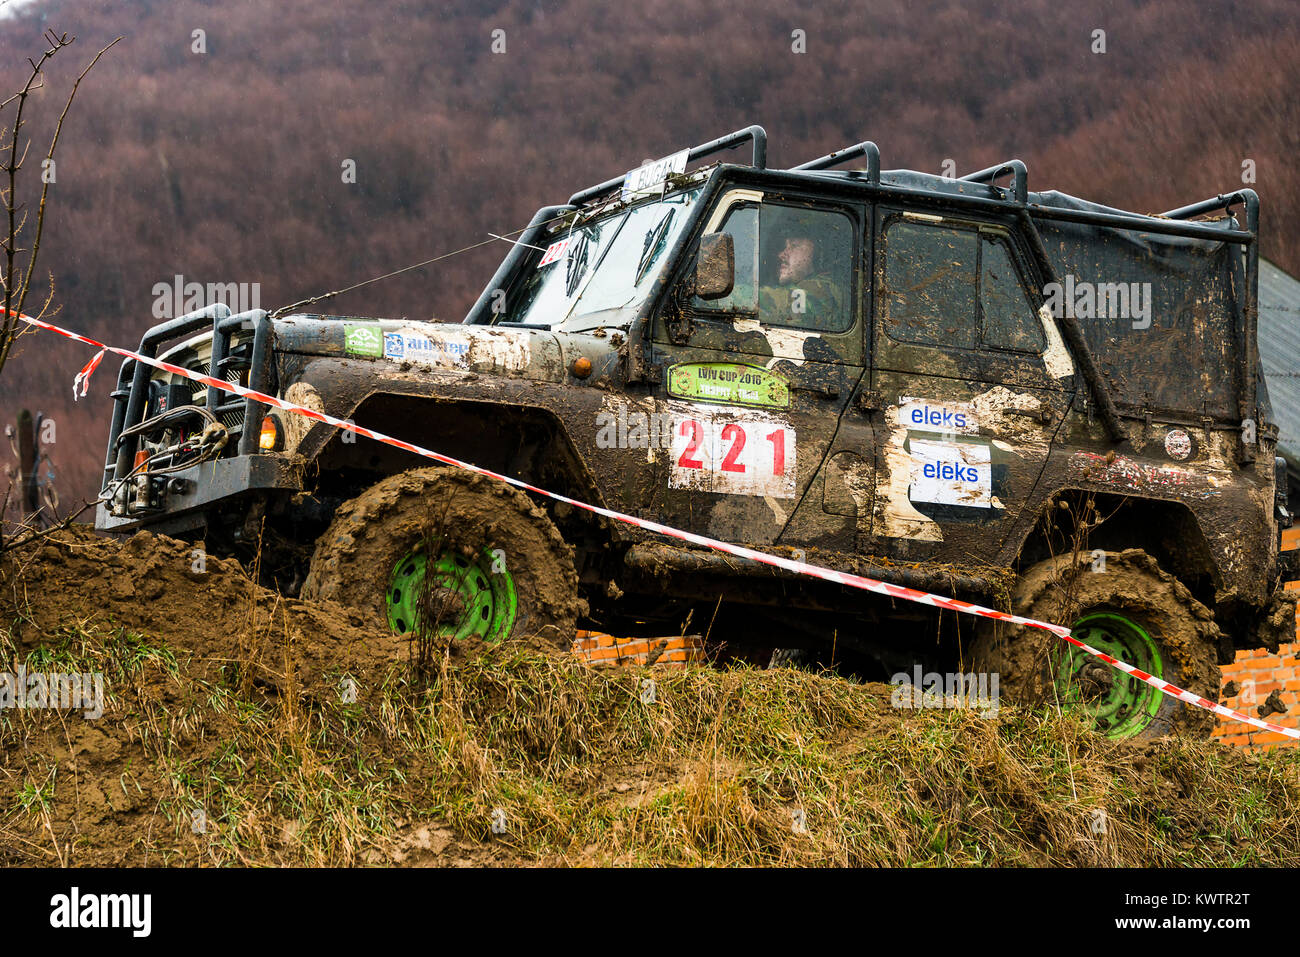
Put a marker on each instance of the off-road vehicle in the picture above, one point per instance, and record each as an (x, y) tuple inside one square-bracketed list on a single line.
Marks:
[(1017, 398)]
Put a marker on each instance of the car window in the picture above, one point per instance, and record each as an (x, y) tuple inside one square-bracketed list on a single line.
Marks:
[(794, 267), (955, 287), (929, 284), (1010, 321)]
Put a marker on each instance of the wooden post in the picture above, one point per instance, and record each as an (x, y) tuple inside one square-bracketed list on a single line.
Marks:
[(27, 463)]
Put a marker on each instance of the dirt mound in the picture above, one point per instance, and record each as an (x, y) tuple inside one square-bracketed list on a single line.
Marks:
[(195, 603), (239, 727)]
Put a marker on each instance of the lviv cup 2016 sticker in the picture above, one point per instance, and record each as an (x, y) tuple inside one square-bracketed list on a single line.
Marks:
[(728, 383)]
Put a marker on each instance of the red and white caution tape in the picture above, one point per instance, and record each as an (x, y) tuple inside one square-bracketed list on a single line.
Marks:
[(801, 568)]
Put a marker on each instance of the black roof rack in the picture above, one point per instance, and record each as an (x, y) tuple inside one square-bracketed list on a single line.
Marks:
[(1019, 180), (865, 148), (756, 134), (1014, 198)]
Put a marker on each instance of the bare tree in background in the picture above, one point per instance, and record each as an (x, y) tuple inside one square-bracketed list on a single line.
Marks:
[(18, 262)]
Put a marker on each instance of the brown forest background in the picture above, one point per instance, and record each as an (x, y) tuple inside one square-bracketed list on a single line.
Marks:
[(226, 166)]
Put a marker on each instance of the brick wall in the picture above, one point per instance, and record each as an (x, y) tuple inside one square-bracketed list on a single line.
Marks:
[(599, 649), (1254, 676)]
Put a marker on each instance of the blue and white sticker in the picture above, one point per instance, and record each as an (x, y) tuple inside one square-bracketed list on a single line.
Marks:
[(951, 473), (927, 415), (425, 349), (452, 346)]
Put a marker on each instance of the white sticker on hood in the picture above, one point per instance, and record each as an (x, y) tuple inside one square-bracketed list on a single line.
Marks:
[(451, 348)]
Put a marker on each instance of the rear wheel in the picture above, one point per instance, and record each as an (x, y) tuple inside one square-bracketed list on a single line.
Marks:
[(453, 554), (1126, 607)]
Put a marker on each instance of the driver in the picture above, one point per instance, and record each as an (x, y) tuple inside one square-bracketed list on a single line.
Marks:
[(805, 293)]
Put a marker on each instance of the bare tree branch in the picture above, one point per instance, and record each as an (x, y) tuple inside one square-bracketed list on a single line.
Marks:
[(15, 294)]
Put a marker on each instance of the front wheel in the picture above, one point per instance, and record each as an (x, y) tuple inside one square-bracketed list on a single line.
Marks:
[(1127, 607), (452, 553)]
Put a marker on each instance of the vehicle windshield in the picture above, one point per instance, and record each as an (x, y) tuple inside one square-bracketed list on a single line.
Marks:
[(605, 270)]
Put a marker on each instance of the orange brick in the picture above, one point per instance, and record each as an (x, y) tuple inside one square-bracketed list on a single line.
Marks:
[(1237, 740), (1267, 737), (1264, 664)]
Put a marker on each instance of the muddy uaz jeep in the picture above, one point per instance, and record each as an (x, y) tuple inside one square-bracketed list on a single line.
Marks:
[(1015, 398)]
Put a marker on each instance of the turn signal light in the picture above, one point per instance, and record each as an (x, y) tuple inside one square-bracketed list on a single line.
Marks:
[(581, 367), (269, 439)]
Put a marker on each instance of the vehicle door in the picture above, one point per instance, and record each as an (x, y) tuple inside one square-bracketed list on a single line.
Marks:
[(972, 382), (753, 384)]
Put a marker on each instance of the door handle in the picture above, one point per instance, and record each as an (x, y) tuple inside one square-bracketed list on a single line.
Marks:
[(1043, 415), (822, 392)]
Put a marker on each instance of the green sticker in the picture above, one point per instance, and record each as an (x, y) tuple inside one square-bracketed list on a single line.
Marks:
[(730, 383), (363, 340)]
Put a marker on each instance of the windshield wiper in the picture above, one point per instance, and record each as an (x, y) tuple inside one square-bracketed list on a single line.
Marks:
[(576, 267), (654, 244)]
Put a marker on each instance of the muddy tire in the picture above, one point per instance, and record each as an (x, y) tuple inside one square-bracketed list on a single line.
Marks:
[(502, 564), (1132, 610)]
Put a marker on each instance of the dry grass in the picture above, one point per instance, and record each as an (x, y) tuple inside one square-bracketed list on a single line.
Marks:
[(738, 767)]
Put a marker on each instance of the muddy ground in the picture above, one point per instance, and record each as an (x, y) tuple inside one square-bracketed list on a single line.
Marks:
[(244, 728)]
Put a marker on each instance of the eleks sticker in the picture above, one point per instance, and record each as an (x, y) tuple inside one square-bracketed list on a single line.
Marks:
[(951, 473), (926, 415)]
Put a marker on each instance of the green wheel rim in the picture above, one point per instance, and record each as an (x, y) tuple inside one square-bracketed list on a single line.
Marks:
[(1121, 705), (472, 597)]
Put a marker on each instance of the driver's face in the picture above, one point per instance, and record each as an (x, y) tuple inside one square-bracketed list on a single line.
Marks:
[(796, 260)]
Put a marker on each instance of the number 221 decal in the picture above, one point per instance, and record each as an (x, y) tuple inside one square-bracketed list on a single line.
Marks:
[(735, 456)]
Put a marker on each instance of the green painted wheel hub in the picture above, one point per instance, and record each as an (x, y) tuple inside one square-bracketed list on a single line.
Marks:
[(1121, 705), (461, 597)]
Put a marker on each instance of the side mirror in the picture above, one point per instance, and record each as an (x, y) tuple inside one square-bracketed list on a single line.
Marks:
[(715, 266)]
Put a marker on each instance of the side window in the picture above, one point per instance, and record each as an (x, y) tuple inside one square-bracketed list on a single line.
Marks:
[(794, 267), (929, 294), (1009, 318), (742, 224), (955, 287)]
